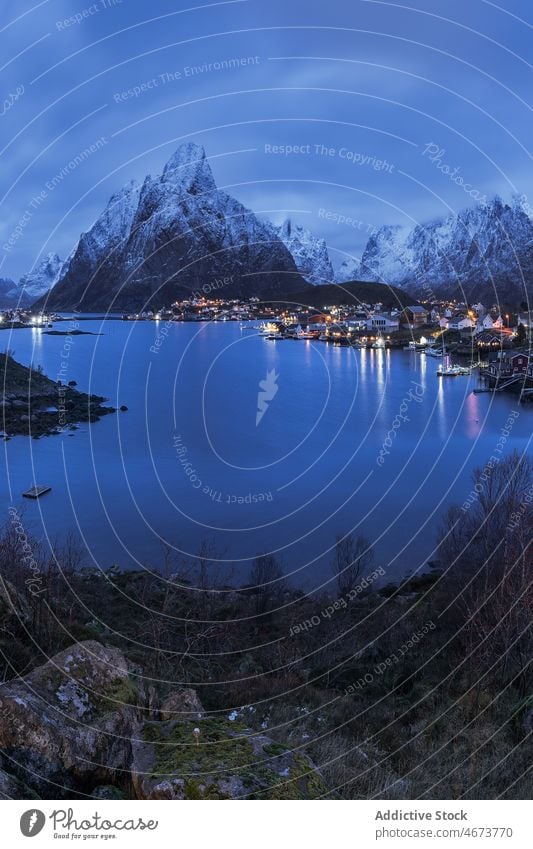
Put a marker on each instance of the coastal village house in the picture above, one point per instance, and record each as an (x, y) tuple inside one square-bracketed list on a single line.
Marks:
[(383, 322), (458, 321), (494, 339), (484, 322), (413, 317), (508, 364)]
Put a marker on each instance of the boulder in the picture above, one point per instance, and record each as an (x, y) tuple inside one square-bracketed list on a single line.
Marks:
[(182, 704), (72, 719), (84, 723)]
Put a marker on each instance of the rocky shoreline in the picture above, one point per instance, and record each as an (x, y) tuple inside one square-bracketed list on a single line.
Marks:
[(33, 405)]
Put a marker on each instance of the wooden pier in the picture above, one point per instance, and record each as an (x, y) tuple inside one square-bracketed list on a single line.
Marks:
[(36, 491)]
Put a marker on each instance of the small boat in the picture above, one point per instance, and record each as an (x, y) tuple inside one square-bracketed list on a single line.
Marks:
[(379, 343), (452, 371), (36, 491)]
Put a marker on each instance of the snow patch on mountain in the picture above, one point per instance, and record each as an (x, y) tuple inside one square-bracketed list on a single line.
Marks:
[(176, 234), (308, 252), (484, 251), (40, 280)]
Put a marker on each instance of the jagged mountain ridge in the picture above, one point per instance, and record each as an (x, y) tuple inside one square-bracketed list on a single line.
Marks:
[(175, 234), (484, 252), (37, 282), (308, 252), (32, 285)]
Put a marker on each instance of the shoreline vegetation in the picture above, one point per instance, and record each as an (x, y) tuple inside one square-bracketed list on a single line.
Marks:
[(175, 684), (34, 405)]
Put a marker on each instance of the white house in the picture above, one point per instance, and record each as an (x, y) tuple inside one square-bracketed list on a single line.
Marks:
[(460, 322), (384, 322), (484, 323)]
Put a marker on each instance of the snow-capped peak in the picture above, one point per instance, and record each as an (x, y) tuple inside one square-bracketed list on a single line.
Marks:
[(37, 282), (483, 250), (189, 169), (310, 253)]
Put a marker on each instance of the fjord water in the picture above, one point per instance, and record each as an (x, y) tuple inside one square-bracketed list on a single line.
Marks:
[(188, 464)]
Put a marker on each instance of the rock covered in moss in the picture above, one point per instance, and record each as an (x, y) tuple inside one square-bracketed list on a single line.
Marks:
[(71, 719), (85, 719), (213, 758)]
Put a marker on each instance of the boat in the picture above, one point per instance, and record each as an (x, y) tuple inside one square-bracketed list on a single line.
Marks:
[(379, 343), (422, 345), (449, 370), (452, 371), (36, 491)]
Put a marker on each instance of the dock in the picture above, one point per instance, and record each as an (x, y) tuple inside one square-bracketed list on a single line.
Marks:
[(36, 491)]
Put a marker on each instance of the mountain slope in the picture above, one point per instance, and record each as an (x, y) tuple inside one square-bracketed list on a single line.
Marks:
[(36, 283), (175, 235), (9, 293), (308, 252), (483, 252)]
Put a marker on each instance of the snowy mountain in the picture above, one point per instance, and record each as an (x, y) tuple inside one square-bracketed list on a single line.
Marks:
[(308, 252), (347, 271), (36, 283), (9, 293), (33, 285), (175, 235), (484, 252)]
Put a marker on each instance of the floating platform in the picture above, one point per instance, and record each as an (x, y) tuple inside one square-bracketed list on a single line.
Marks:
[(36, 491)]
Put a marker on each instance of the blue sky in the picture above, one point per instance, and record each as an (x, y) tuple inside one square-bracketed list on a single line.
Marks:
[(307, 109)]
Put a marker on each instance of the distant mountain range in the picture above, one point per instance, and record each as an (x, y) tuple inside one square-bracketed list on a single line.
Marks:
[(178, 234), (483, 253), (33, 285)]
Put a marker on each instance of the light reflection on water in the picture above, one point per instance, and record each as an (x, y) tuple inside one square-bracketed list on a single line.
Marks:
[(121, 483)]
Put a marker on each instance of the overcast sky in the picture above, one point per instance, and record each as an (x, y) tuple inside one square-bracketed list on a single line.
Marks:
[(363, 88)]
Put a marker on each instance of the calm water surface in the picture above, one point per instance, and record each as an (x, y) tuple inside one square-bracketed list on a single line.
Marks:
[(188, 463)]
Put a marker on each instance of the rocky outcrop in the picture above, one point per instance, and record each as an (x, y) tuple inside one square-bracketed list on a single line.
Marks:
[(69, 723), (182, 704), (176, 235), (86, 724), (32, 404)]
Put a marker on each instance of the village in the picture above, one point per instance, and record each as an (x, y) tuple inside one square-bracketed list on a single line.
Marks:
[(475, 336)]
